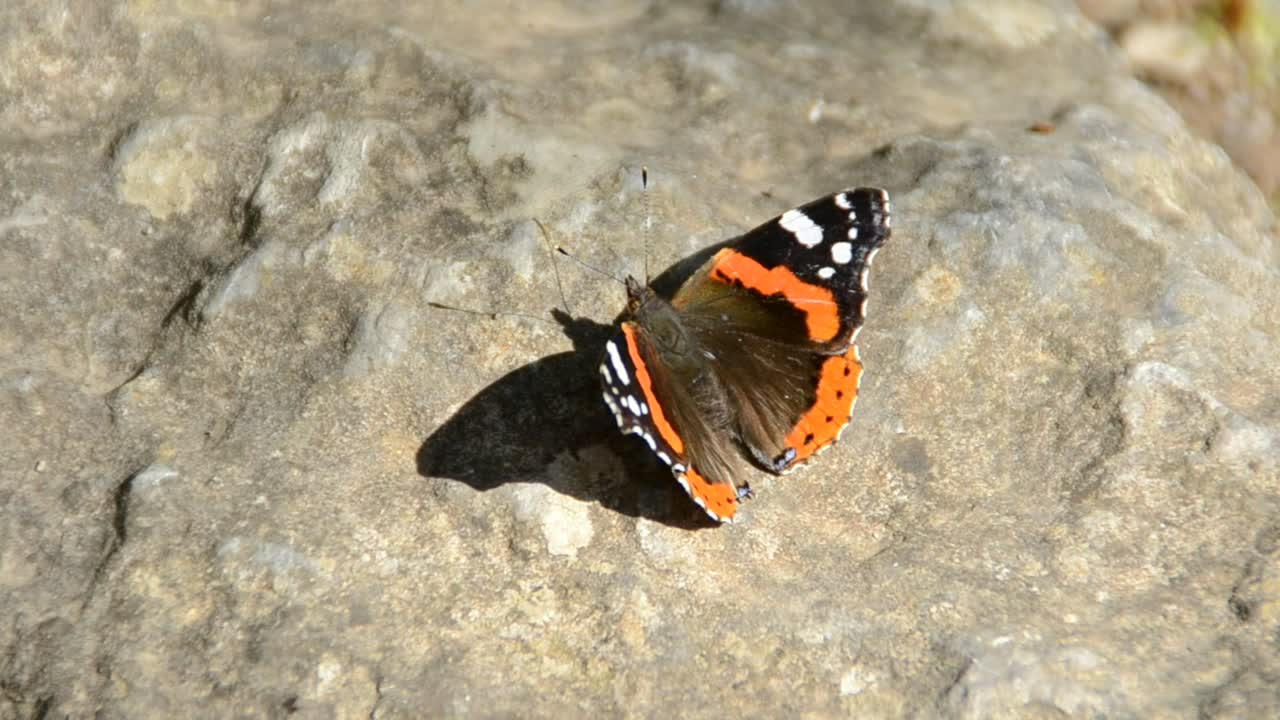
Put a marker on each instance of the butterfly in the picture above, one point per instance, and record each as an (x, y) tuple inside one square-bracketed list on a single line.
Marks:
[(755, 350)]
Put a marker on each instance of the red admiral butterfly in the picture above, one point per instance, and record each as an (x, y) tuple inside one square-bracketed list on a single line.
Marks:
[(756, 347)]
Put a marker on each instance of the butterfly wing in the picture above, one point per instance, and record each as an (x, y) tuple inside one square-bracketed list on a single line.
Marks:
[(680, 413), (778, 312)]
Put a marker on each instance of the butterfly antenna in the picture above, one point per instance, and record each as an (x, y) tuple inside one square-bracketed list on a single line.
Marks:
[(491, 314), (592, 268), (644, 193), (555, 267)]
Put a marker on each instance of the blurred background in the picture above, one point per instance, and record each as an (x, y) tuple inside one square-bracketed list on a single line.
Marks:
[(1217, 61)]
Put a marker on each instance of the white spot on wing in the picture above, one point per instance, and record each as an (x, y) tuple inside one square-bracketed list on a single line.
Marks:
[(613, 406), (604, 371), (826, 272), (853, 233), (616, 359), (797, 223), (841, 253), (842, 201), (665, 458)]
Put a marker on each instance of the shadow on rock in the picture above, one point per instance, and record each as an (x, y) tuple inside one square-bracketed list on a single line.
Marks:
[(534, 424)]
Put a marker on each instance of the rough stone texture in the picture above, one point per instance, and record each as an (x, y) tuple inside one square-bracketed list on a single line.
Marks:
[(249, 471)]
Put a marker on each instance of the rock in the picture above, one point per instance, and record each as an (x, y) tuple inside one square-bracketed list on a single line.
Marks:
[(1111, 13), (564, 524), (1166, 51), (251, 471), (161, 166), (381, 339)]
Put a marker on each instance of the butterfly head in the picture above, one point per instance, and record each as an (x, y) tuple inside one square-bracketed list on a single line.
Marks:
[(638, 295)]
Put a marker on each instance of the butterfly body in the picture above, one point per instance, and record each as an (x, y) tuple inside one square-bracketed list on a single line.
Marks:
[(754, 351)]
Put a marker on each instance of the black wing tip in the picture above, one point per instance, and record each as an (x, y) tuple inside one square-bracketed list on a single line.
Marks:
[(872, 209)]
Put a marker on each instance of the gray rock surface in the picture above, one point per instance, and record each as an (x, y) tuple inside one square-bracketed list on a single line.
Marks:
[(248, 470)]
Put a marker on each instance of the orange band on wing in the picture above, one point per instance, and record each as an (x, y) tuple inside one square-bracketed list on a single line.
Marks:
[(837, 389), (719, 499), (822, 314), (667, 432)]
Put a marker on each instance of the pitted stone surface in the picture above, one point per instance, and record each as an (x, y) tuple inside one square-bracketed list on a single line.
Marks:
[(250, 471)]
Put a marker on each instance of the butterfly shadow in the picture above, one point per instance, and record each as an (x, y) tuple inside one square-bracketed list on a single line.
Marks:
[(546, 422)]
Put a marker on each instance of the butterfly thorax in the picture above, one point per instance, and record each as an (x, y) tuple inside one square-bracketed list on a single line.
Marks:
[(663, 327)]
